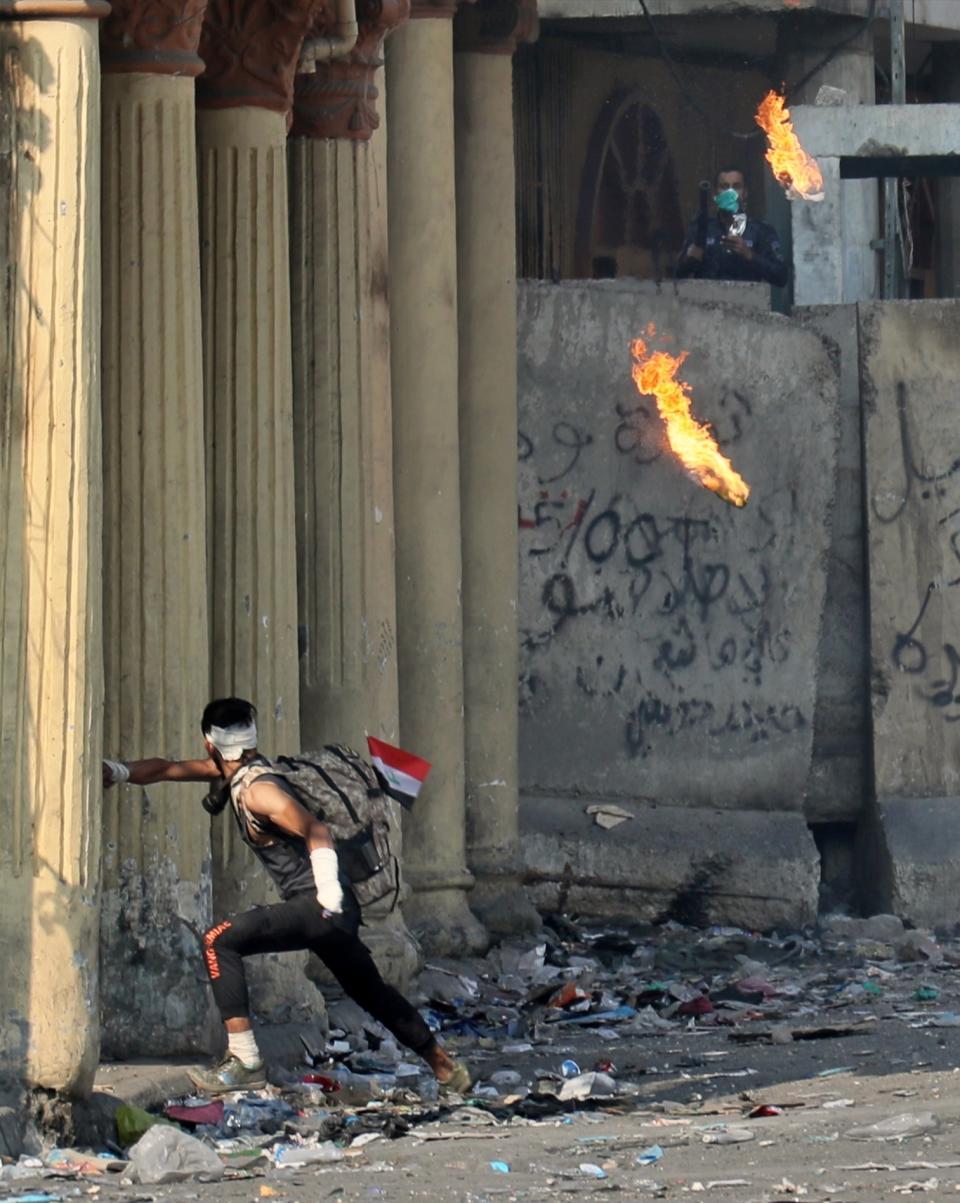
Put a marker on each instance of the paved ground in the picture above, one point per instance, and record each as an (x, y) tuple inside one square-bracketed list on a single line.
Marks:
[(690, 1084), (693, 1085)]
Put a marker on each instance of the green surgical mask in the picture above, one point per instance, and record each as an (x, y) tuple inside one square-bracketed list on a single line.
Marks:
[(727, 201)]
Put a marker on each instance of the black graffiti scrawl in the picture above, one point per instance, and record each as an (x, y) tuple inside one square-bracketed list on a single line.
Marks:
[(662, 631), (912, 462)]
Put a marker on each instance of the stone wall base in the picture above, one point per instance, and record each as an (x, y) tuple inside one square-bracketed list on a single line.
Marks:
[(751, 869), (908, 860)]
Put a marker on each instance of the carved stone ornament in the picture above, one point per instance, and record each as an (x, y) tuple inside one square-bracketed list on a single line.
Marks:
[(495, 26), (153, 36), (340, 100), (251, 49), (76, 10)]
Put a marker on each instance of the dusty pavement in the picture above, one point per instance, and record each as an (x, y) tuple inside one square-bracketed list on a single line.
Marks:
[(870, 1114)]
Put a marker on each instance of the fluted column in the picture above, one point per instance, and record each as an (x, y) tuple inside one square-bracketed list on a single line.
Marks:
[(423, 309), (50, 530), (156, 859), (342, 416), (244, 99), (485, 37)]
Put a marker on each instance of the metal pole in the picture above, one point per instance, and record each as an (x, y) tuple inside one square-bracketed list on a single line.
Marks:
[(891, 186)]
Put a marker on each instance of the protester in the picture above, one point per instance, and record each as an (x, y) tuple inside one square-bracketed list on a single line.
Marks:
[(319, 911), (729, 245)]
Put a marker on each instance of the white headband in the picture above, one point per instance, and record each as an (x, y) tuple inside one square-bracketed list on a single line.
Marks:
[(232, 742)]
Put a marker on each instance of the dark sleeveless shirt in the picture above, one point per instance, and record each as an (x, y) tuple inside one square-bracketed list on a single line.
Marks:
[(285, 857)]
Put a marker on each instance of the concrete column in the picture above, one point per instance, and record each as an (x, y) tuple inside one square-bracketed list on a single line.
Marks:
[(342, 417), (423, 309), (804, 43), (156, 856), (50, 530), (946, 88), (244, 98), (485, 39)]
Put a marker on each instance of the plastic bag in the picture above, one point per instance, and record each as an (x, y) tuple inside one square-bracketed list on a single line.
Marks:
[(165, 1154)]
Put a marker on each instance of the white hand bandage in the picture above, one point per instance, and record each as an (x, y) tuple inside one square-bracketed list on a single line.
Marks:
[(119, 772), (329, 890)]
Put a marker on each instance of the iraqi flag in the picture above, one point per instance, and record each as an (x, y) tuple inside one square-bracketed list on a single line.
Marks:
[(400, 773)]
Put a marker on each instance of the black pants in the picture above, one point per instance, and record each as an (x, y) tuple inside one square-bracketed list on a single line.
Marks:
[(294, 925)]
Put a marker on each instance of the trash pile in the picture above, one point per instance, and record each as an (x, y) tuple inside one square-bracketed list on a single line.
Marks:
[(514, 1015), (623, 985)]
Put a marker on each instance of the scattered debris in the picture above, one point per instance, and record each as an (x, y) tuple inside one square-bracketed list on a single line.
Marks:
[(525, 1003), (896, 1127), (726, 1134), (608, 816), (165, 1154)]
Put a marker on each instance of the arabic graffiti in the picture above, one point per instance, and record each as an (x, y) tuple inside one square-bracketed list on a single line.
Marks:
[(933, 662), (647, 602)]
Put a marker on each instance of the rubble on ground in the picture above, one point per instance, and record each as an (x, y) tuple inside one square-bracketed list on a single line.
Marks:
[(629, 987)]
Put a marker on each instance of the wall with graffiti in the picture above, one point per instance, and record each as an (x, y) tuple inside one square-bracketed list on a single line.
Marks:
[(912, 463), (669, 640)]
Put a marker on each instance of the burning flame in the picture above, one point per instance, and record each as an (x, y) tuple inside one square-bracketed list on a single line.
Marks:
[(654, 373), (797, 171)]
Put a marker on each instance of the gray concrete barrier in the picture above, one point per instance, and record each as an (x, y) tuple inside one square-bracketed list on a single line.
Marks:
[(669, 641)]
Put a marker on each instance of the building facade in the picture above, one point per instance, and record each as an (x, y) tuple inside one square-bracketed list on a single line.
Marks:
[(259, 430), (257, 366)]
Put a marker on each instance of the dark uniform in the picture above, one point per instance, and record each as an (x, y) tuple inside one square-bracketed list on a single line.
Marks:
[(721, 262)]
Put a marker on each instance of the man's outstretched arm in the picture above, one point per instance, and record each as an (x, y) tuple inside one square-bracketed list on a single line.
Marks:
[(154, 769)]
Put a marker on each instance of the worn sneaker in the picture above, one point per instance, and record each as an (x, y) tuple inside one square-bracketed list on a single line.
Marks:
[(227, 1075), (459, 1081)]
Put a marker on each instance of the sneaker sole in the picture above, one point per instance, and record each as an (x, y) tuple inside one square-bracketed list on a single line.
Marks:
[(222, 1088)]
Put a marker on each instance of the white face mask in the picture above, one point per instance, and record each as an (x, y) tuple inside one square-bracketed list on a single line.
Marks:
[(232, 742)]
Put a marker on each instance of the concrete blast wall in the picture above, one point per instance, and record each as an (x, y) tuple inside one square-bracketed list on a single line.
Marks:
[(908, 357), (669, 641)]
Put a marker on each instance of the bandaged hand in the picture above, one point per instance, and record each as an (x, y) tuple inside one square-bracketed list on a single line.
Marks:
[(115, 772), (329, 890)]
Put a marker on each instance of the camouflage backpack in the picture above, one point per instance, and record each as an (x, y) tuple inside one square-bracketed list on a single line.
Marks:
[(341, 789)]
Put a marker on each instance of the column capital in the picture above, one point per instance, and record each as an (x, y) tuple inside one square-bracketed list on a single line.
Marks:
[(436, 8), (157, 37), (495, 26), (22, 10), (340, 99), (251, 49)]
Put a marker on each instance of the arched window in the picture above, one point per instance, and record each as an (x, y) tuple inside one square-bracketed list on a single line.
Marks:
[(629, 221)]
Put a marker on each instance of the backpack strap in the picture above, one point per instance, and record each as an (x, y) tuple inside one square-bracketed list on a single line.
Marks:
[(238, 787)]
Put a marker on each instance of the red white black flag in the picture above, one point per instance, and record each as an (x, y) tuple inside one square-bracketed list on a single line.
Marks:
[(400, 773)]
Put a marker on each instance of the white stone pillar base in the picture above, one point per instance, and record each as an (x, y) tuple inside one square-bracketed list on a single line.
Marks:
[(439, 916)]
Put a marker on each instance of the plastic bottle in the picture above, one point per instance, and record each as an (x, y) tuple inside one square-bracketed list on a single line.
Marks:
[(428, 1088)]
